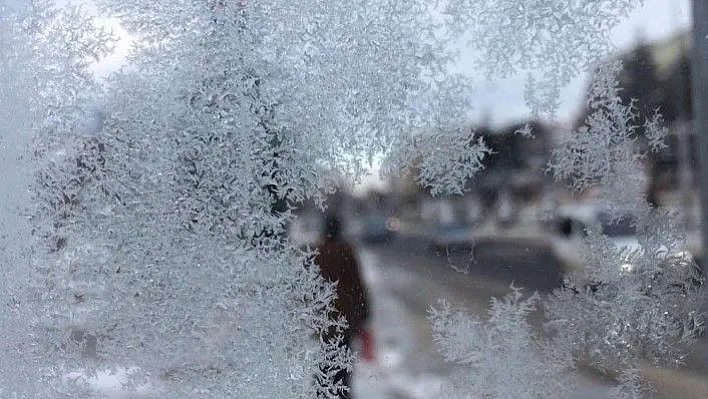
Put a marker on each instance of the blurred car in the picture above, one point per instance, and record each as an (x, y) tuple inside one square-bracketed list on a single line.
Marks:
[(449, 236), (572, 223), (378, 228), (570, 229)]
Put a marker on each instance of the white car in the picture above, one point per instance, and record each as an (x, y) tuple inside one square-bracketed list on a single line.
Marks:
[(572, 221)]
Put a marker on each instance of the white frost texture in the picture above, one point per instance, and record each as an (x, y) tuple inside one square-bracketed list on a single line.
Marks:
[(160, 221), (145, 227), (503, 356), (552, 41)]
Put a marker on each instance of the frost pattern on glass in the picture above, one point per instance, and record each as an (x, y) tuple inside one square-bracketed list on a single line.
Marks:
[(160, 213), (165, 229), (551, 40), (441, 162), (643, 303), (603, 152), (503, 357), (44, 55), (635, 304)]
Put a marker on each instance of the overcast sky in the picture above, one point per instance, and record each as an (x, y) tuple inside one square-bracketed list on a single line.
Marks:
[(501, 102)]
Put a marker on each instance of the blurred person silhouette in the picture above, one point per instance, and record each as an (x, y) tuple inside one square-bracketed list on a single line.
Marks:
[(338, 263)]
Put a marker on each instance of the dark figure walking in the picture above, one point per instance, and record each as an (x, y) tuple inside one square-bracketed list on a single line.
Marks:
[(337, 260)]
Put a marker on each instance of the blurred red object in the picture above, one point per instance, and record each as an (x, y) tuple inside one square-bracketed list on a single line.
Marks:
[(368, 349)]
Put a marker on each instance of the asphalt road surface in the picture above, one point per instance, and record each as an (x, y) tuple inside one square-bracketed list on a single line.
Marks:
[(403, 287), (406, 279)]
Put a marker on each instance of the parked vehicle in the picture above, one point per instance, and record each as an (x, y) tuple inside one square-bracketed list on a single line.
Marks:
[(571, 224)]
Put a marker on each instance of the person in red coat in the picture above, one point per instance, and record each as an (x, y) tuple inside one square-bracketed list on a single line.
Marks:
[(338, 263)]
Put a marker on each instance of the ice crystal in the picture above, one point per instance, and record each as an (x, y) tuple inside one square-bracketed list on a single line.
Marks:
[(552, 40), (165, 214), (603, 152), (634, 303), (161, 199), (44, 55), (441, 162), (502, 357)]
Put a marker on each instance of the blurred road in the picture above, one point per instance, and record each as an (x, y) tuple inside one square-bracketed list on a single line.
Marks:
[(406, 279), (404, 285)]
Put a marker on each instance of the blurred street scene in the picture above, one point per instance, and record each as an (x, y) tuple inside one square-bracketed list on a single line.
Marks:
[(514, 225)]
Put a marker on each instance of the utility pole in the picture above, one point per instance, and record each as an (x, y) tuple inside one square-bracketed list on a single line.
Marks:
[(699, 83)]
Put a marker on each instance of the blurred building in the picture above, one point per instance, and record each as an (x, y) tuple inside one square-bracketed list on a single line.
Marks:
[(512, 179), (514, 174), (657, 78)]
